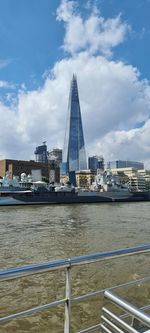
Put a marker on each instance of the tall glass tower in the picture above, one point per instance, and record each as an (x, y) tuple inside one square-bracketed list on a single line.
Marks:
[(74, 157)]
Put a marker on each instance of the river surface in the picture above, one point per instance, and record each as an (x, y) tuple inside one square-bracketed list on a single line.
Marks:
[(40, 233)]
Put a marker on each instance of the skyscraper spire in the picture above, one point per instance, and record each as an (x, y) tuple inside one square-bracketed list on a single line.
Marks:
[(74, 157)]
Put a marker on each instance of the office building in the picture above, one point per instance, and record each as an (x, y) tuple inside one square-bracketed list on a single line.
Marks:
[(125, 164), (96, 163), (74, 157), (41, 153), (137, 183), (136, 179), (146, 175)]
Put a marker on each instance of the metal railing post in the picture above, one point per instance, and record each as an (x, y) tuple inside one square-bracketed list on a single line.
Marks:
[(67, 323)]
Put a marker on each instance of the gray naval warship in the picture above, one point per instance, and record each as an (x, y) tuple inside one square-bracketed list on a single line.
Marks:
[(106, 188)]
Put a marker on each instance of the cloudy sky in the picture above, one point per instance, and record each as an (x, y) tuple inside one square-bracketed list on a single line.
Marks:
[(106, 44)]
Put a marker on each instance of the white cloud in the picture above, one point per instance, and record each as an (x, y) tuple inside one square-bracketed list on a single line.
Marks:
[(114, 102), (4, 63), (9, 139), (132, 145), (94, 34), (5, 84)]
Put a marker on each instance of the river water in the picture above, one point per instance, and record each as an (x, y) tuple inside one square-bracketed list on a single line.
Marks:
[(40, 233)]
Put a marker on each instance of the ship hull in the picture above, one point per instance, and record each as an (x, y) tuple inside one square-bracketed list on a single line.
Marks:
[(37, 198)]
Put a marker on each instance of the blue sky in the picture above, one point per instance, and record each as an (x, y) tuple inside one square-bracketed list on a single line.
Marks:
[(29, 39), (42, 42), (30, 36)]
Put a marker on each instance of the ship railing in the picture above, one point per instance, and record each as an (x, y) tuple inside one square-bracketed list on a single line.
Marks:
[(67, 265), (132, 320)]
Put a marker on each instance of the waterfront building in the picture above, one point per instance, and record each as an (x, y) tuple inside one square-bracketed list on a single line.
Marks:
[(124, 171), (41, 153), (137, 182), (132, 176), (146, 174), (74, 156), (84, 178), (56, 154), (125, 164), (17, 167), (96, 163)]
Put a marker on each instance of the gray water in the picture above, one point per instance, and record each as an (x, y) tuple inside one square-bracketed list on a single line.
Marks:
[(39, 233)]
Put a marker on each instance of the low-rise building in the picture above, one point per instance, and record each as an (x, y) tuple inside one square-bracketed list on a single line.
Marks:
[(122, 172), (17, 167), (135, 178), (146, 174), (137, 183), (84, 178)]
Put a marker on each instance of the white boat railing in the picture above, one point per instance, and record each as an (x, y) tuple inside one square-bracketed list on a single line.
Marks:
[(67, 265)]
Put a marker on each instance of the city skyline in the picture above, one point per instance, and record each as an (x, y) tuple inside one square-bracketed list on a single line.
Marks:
[(106, 45)]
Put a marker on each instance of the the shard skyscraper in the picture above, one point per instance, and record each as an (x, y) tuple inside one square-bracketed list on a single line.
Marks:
[(74, 157)]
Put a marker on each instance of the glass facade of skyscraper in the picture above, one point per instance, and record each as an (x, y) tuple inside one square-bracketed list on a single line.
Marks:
[(74, 157)]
